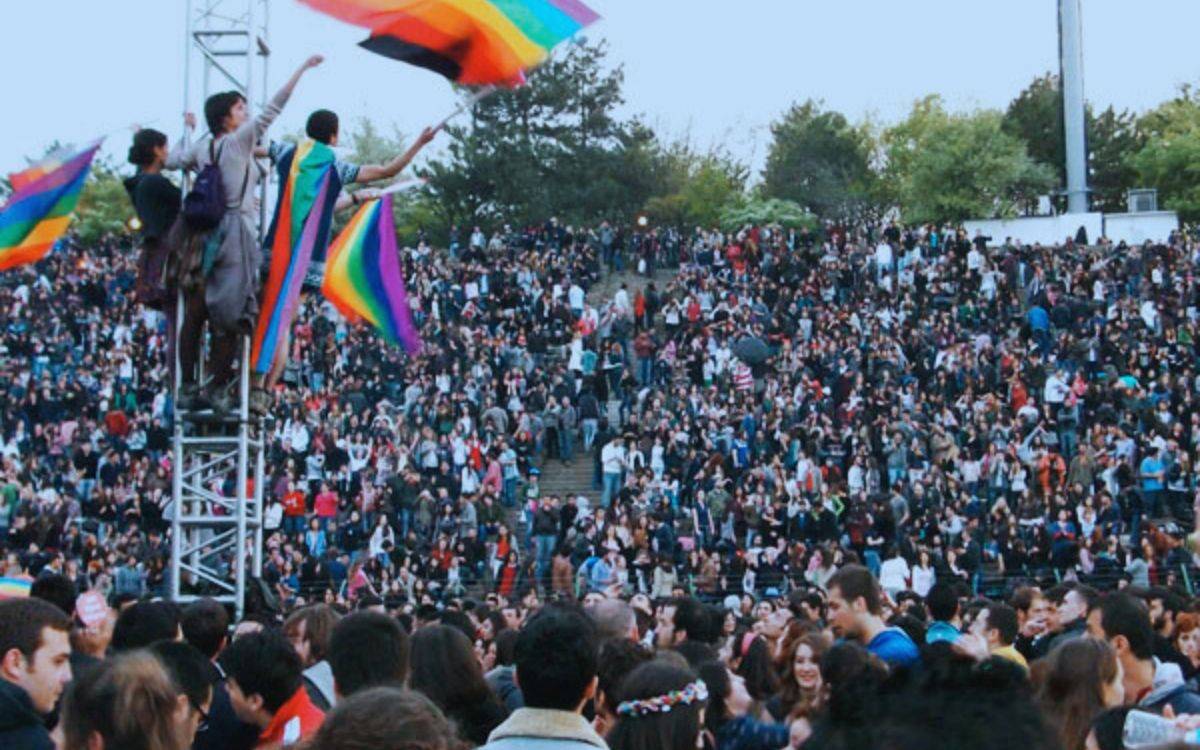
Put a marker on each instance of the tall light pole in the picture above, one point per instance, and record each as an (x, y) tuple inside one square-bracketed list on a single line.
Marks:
[(1070, 60)]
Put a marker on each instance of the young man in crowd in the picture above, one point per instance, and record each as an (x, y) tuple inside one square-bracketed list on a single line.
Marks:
[(35, 665), (367, 649), (856, 613), (996, 624), (266, 688), (205, 625), (1124, 622)]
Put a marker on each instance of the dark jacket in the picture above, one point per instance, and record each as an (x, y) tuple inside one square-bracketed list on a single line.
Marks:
[(223, 730), (21, 728)]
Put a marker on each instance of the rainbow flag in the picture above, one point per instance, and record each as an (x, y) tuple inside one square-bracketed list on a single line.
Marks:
[(363, 279), (14, 588), (471, 42), (309, 187), (39, 209)]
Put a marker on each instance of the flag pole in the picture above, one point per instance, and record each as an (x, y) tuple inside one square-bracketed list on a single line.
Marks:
[(466, 104)]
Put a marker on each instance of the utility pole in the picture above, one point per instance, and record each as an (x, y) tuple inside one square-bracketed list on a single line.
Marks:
[(1070, 59)]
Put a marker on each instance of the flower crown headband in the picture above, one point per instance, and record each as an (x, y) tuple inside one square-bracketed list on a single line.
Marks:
[(694, 692)]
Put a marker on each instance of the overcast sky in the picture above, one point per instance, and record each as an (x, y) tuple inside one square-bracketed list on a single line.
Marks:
[(719, 71)]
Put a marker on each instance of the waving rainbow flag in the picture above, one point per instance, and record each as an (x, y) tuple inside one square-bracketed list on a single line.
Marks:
[(309, 187), (363, 279), (39, 209), (472, 42)]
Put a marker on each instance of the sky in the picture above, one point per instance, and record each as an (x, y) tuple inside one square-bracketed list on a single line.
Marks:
[(716, 72)]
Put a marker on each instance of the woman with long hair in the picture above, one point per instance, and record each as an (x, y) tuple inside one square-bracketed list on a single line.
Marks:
[(750, 658), (445, 668), (661, 708), (728, 714), (1076, 682), (125, 703), (802, 688)]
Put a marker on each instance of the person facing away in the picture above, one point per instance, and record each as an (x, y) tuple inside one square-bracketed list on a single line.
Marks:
[(556, 662)]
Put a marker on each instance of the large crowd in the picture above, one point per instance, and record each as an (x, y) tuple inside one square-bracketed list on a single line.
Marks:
[(837, 473)]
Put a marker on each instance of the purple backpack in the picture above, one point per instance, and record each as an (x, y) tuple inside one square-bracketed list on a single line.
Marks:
[(204, 206)]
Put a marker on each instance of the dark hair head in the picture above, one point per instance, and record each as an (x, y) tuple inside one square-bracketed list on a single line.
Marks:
[(217, 107), (695, 653), (385, 717), (187, 668), (757, 669), (22, 622), (143, 623), (205, 624), (942, 601), (676, 729), (368, 649), (617, 658), (1003, 618), (1070, 686), (694, 618), (322, 126), (506, 647), (57, 590), (129, 701), (459, 620), (444, 667), (1109, 728), (854, 581), (556, 658), (145, 141), (1122, 614), (264, 664), (716, 679)]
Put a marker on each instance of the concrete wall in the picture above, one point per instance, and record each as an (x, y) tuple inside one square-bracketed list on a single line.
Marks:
[(1137, 228), (1043, 230), (1052, 230)]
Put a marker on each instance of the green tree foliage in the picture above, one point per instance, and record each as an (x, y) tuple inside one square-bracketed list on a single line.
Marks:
[(554, 147), (104, 207), (1036, 117), (694, 187), (1170, 158), (1113, 138), (765, 211), (944, 166), (819, 160)]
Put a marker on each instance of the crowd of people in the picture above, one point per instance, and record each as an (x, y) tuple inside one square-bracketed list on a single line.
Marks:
[(893, 435)]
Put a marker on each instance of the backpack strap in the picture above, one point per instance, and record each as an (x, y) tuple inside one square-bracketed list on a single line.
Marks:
[(216, 160)]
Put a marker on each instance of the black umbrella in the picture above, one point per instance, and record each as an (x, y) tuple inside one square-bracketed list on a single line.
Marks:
[(751, 349)]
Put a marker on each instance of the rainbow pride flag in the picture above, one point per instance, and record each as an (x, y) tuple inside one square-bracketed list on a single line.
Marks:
[(471, 42), (309, 187), (363, 279), (15, 588), (39, 209)]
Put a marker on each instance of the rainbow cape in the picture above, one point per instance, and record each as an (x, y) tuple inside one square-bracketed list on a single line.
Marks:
[(308, 189), (471, 42), (363, 279), (39, 209)]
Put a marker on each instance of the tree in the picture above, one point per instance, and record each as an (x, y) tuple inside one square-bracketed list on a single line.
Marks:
[(1036, 117), (766, 211), (1113, 139), (554, 147), (1169, 160), (819, 160), (694, 186), (942, 166), (104, 207)]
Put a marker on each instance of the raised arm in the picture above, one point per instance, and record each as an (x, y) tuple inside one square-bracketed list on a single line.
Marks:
[(372, 172), (252, 130), (181, 155)]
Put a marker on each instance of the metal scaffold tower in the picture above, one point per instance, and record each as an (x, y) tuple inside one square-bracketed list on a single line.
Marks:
[(217, 472)]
